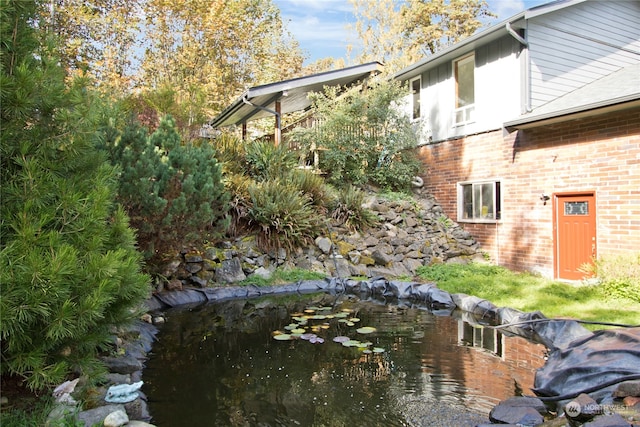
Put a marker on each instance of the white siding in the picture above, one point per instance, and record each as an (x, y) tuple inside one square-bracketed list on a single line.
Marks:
[(577, 45), (497, 92)]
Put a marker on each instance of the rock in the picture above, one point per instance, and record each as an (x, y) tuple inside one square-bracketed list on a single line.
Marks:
[(97, 415), (58, 414), (582, 408), (324, 244), (230, 271), (192, 257), (515, 411), (122, 365), (136, 423), (174, 285), (628, 388), (614, 420), (265, 273), (380, 257), (116, 419)]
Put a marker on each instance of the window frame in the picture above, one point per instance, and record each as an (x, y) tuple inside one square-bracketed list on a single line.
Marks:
[(416, 111), (464, 114), (474, 186)]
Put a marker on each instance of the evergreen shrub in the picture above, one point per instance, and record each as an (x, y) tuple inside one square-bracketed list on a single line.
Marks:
[(69, 268), (172, 191)]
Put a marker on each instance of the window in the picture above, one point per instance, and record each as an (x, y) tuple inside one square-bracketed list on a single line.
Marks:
[(416, 85), (479, 201), (465, 89)]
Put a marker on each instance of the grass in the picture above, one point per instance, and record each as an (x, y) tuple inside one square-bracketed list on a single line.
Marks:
[(284, 275), (528, 292)]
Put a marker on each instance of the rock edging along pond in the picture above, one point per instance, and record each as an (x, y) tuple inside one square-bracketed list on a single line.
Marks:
[(557, 336)]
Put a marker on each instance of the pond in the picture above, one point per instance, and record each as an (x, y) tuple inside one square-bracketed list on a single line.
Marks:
[(222, 365)]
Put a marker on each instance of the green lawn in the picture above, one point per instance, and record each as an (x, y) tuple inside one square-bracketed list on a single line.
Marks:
[(527, 292)]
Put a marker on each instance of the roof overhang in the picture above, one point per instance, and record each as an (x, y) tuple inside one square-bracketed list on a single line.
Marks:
[(260, 101), (591, 110), (459, 49)]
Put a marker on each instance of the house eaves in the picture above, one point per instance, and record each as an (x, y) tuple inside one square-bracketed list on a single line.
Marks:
[(260, 101), (481, 38), (614, 92)]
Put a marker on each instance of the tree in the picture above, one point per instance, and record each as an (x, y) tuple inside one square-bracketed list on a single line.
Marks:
[(98, 39), (207, 52), (172, 191), (401, 33), (69, 269)]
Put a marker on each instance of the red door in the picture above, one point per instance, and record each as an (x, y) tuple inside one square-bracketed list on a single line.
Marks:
[(575, 226)]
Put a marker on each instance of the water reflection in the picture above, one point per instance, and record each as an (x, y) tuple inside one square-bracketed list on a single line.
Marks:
[(218, 365)]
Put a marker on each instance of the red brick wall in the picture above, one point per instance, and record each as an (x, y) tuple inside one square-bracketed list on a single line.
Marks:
[(599, 154)]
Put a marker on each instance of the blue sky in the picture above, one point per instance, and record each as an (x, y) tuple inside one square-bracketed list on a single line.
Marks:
[(320, 26)]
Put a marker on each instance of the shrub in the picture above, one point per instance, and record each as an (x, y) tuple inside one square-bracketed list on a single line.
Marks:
[(348, 209), (69, 269), (314, 187), (363, 136), (173, 192), (282, 215), (619, 275), (265, 160)]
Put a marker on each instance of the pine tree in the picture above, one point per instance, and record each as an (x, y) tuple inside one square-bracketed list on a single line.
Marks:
[(173, 191), (69, 268)]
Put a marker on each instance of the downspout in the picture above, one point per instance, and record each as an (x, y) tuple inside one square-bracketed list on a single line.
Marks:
[(527, 77), (269, 110)]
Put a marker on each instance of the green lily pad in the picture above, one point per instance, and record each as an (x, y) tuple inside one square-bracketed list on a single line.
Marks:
[(378, 350), (367, 351), (283, 337), (354, 319), (366, 330), (298, 331), (351, 343), (341, 315), (350, 324)]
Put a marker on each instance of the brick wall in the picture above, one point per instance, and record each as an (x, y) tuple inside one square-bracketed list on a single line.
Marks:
[(599, 154)]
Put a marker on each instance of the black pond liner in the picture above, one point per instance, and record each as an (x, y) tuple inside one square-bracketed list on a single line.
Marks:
[(579, 361)]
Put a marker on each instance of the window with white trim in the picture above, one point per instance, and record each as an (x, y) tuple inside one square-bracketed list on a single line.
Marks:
[(479, 201), (416, 86), (464, 70)]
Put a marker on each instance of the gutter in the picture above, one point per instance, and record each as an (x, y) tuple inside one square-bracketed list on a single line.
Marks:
[(260, 107), (526, 75)]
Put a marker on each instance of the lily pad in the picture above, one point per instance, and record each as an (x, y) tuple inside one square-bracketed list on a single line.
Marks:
[(378, 350), (283, 337), (351, 343), (298, 331), (350, 324), (341, 339), (316, 340), (367, 351), (366, 330), (341, 315), (308, 337), (354, 319)]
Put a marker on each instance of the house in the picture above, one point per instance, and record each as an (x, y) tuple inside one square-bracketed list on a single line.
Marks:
[(530, 131)]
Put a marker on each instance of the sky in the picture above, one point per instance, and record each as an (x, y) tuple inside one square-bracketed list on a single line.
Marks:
[(321, 26)]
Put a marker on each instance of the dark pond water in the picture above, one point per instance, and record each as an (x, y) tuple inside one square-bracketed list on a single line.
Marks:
[(219, 365)]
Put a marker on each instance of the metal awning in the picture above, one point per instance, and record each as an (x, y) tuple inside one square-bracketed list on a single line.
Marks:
[(260, 101)]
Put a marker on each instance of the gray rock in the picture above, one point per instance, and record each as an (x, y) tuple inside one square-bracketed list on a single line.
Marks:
[(324, 244), (628, 388), (230, 271), (380, 257), (505, 413), (614, 420), (97, 415), (122, 365)]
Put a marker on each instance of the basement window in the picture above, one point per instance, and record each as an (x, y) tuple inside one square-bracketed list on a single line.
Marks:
[(479, 201)]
